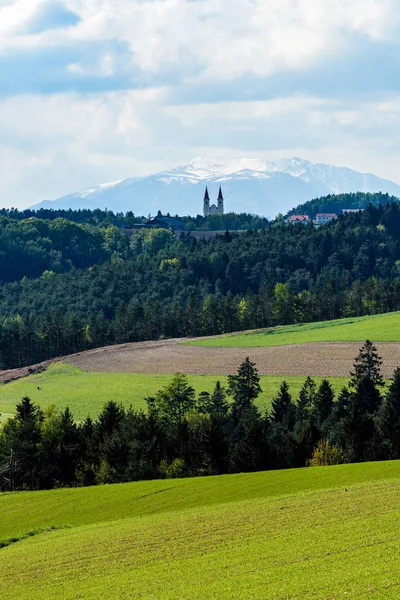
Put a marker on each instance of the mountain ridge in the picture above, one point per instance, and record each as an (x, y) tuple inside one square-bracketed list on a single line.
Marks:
[(250, 185)]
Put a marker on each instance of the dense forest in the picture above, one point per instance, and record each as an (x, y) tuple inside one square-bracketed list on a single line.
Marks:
[(335, 203), (182, 435), (69, 287)]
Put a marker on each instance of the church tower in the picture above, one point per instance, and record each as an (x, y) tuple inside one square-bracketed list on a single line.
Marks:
[(213, 209), (220, 202), (206, 204)]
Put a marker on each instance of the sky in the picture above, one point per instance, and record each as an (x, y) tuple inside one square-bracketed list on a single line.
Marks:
[(99, 90)]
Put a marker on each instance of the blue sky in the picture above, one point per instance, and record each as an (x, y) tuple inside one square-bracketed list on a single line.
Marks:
[(99, 90)]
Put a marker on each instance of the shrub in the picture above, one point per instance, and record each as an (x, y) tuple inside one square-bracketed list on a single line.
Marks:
[(325, 455)]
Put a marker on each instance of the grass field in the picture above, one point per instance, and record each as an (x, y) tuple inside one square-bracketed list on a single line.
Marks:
[(379, 328), (86, 393), (327, 533)]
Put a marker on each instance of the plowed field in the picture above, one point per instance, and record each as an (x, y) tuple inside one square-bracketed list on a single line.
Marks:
[(317, 359)]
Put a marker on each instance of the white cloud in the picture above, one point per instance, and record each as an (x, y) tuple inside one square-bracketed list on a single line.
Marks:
[(104, 89)]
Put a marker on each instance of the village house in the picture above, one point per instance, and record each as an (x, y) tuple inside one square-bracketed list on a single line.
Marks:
[(303, 219)]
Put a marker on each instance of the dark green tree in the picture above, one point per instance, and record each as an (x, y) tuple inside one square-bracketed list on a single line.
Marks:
[(110, 419), (306, 399), (323, 403), (245, 387), (174, 400), (283, 409), (356, 432), (19, 447), (389, 420), (214, 403), (367, 366)]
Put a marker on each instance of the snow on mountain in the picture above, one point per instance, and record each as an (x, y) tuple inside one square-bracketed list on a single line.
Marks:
[(249, 185)]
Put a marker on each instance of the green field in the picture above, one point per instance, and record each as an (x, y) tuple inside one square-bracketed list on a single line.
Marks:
[(86, 393), (325, 533), (379, 328)]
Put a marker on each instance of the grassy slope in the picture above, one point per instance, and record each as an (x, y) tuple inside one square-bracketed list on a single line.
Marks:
[(86, 393), (379, 328), (310, 533)]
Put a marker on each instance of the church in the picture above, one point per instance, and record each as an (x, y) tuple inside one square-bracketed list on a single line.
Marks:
[(213, 209)]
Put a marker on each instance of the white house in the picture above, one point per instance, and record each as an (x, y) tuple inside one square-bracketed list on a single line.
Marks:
[(322, 218)]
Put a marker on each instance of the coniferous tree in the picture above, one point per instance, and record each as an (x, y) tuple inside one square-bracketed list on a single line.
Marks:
[(245, 387), (19, 448), (214, 403), (283, 409), (109, 419), (367, 366), (218, 403), (306, 399), (204, 402), (342, 404), (389, 420), (367, 379), (356, 432), (323, 403)]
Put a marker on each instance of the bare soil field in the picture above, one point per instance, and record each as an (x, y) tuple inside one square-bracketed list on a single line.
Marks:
[(328, 359), (322, 359)]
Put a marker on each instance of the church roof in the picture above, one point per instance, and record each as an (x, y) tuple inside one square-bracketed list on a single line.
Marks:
[(206, 195), (220, 196)]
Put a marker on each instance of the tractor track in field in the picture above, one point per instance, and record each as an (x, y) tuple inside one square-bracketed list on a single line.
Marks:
[(325, 359)]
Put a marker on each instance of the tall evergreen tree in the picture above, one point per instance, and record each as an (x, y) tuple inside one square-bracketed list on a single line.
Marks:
[(306, 399), (19, 448), (245, 386), (367, 366)]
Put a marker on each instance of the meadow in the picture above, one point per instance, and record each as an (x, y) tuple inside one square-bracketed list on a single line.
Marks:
[(86, 393), (378, 328), (309, 533)]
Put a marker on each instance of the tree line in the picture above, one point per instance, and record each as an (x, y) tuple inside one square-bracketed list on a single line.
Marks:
[(181, 435), (103, 218)]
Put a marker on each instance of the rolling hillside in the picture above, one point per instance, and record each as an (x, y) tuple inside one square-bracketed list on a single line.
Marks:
[(379, 328), (131, 372), (309, 533)]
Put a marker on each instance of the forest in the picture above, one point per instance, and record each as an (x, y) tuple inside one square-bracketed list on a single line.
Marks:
[(335, 203), (182, 435), (67, 287)]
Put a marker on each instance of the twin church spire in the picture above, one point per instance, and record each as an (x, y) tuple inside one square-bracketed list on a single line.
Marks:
[(213, 209)]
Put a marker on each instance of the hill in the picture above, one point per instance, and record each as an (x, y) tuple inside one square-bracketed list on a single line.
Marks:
[(131, 372), (310, 533), (250, 185), (337, 202)]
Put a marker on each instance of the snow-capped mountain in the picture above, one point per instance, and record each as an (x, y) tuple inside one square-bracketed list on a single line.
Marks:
[(249, 185)]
